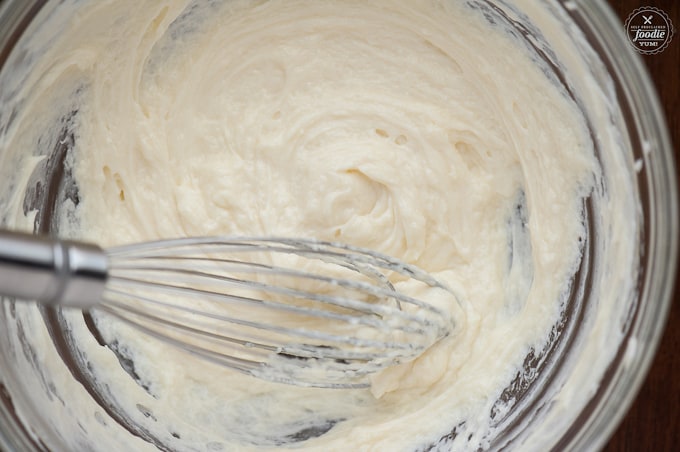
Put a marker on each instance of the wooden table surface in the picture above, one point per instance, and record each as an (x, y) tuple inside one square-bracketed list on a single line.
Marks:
[(653, 422)]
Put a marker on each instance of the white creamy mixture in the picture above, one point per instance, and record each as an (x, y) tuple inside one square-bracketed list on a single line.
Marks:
[(418, 129)]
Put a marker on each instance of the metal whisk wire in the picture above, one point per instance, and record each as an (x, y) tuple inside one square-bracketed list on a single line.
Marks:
[(191, 268)]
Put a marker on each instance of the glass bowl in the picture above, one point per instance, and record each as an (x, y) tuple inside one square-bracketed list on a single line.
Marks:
[(566, 400)]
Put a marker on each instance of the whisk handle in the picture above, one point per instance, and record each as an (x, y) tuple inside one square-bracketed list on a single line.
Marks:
[(50, 271)]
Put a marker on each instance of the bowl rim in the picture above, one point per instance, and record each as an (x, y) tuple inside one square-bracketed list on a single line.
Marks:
[(637, 93)]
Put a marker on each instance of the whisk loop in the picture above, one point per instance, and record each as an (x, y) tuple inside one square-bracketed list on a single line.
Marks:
[(290, 310)]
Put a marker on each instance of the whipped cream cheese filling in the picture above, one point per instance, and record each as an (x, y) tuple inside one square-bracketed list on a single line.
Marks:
[(422, 130)]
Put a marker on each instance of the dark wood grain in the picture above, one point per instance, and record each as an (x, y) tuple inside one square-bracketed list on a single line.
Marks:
[(653, 422)]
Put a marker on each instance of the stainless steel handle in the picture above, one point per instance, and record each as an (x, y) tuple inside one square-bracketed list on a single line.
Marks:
[(51, 271)]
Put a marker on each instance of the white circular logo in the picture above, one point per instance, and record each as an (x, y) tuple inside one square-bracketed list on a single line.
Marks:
[(649, 30)]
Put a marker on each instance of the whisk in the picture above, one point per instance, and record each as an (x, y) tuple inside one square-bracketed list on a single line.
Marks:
[(297, 311)]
